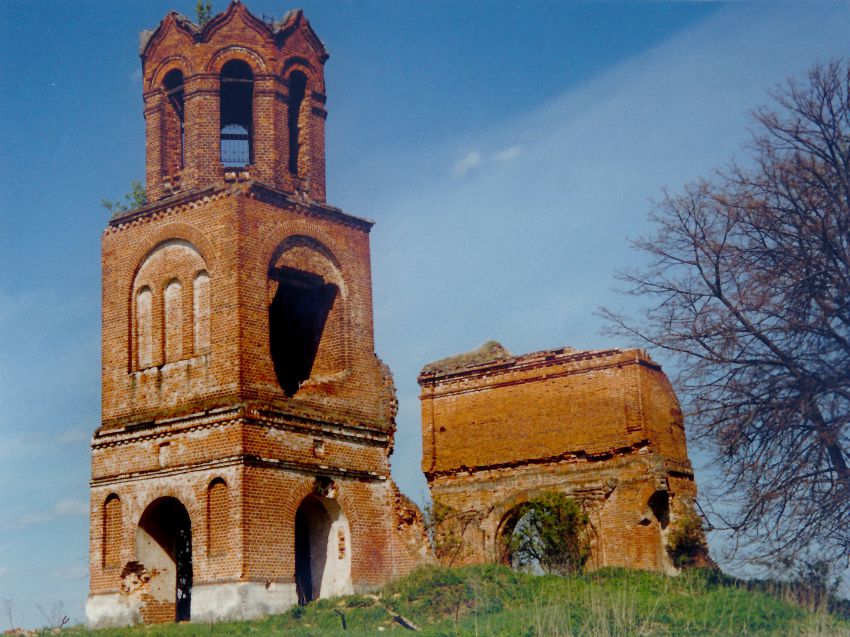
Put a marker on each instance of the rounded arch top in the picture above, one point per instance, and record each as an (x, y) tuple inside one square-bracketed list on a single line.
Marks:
[(307, 253), (156, 79), (297, 64), (163, 503), (186, 249), (235, 52), (178, 232)]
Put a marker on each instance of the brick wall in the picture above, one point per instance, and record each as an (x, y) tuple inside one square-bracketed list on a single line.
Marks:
[(273, 52), (602, 426), (196, 409)]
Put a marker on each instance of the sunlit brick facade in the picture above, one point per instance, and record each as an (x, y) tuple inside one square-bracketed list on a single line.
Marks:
[(242, 463), (601, 426)]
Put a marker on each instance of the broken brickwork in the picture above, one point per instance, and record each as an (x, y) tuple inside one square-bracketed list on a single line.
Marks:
[(242, 462), (601, 426)]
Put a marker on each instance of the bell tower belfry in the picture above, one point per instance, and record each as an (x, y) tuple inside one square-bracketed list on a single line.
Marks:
[(242, 462)]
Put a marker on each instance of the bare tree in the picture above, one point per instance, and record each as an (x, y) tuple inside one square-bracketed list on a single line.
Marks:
[(748, 285), (54, 616), (8, 604)]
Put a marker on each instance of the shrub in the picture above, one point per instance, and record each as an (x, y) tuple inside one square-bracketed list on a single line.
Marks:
[(686, 541), (551, 531)]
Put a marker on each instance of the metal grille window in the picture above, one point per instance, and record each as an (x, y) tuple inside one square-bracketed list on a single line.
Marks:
[(235, 145), (237, 97)]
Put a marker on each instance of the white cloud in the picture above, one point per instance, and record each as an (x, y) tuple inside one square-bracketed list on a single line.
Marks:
[(70, 506), (66, 507), (4, 570), (74, 436), (508, 153), (467, 163), (475, 159)]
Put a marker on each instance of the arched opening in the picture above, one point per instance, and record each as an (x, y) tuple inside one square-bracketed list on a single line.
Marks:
[(546, 534), (298, 313), (514, 524), (297, 91), (322, 553), (659, 504), (173, 126), (164, 549), (237, 96)]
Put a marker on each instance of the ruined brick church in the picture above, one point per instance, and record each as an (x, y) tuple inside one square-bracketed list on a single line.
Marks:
[(242, 462)]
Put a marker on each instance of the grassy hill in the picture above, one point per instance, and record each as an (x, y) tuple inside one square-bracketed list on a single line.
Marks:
[(496, 601)]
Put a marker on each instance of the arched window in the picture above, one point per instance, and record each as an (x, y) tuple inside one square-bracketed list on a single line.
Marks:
[(237, 92), (297, 91), (201, 312), (217, 522), (173, 321), (307, 334), (172, 123), (144, 329), (111, 531)]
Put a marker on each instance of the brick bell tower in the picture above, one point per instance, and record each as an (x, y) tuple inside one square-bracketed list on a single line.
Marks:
[(242, 463)]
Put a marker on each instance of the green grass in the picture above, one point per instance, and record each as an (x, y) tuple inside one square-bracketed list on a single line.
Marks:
[(496, 601)]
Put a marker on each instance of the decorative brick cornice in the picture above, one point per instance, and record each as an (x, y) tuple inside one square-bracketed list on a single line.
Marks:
[(241, 460), (169, 205), (268, 194), (581, 361), (137, 432), (288, 422), (637, 450), (254, 415), (253, 189)]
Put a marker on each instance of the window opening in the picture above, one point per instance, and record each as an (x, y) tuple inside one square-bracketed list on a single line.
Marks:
[(237, 92), (297, 317), (297, 89), (175, 134)]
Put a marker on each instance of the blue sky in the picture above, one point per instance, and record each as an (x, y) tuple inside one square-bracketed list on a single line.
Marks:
[(506, 151)]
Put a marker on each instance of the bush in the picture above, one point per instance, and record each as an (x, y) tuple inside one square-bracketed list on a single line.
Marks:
[(685, 542), (551, 531)]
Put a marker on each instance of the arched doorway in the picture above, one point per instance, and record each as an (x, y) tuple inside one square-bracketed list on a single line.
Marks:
[(546, 534), (164, 548), (514, 521), (322, 550)]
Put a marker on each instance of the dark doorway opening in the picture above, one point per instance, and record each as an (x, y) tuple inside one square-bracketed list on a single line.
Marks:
[(164, 548), (297, 317), (312, 526)]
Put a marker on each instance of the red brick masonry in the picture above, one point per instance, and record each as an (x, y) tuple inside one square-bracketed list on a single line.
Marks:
[(602, 426), (214, 433)]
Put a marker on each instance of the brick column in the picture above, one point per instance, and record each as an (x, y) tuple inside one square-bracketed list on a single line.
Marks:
[(263, 148), (202, 122), (314, 172), (153, 145)]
